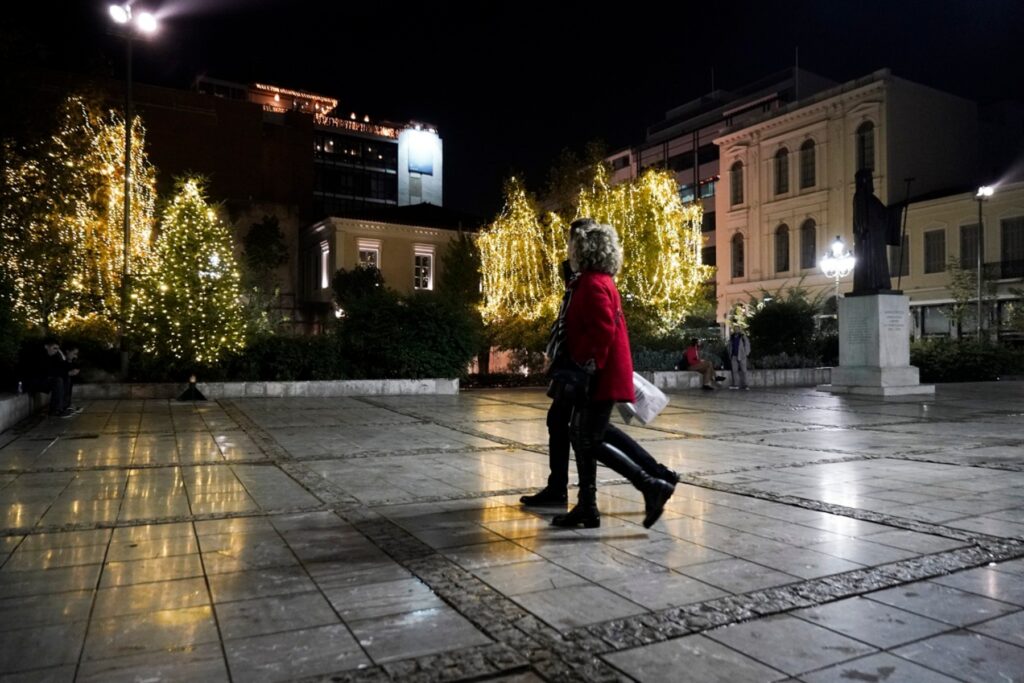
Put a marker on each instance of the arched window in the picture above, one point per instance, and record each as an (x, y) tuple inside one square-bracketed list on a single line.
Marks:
[(737, 255), (782, 171), (866, 146), (808, 244), (736, 184), (782, 248), (807, 165)]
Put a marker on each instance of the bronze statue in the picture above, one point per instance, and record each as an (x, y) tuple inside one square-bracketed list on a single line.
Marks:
[(875, 226)]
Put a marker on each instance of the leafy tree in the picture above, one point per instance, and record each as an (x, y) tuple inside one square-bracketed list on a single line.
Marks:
[(571, 174), (459, 284), (784, 323), (352, 286), (264, 252)]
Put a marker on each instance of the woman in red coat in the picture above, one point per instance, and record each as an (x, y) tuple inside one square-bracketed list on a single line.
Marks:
[(596, 337)]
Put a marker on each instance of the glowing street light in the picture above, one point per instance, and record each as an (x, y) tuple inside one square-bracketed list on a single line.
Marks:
[(121, 14), (143, 24), (837, 263), (984, 192)]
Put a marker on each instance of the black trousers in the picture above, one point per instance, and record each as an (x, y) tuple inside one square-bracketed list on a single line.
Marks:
[(60, 393), (559, 416)]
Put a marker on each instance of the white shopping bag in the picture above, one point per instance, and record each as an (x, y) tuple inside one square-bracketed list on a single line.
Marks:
[(650, 400)]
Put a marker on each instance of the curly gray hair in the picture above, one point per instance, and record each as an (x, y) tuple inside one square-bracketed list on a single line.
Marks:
[(594, 246)]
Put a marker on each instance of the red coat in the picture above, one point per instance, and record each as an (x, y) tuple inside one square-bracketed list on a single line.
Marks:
[(596, 328)]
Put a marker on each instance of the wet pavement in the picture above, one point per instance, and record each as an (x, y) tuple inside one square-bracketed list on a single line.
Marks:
[(813, 538)]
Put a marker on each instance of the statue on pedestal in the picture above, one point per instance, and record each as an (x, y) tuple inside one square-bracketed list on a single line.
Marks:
[(875, 226)]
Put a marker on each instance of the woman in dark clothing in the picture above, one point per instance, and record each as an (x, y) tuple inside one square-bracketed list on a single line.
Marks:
[(596, 337)]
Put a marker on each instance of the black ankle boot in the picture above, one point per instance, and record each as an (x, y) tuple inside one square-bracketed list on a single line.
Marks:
[(583, 514), (546, 496)]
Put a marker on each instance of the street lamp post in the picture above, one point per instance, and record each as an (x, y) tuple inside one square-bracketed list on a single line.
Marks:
[(837, 263), (142, 23), (984, 192)]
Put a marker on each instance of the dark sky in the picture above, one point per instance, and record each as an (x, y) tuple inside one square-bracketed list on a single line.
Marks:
[(511, 84)]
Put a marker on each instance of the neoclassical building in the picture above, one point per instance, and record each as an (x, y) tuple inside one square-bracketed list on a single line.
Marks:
[(787, 188)]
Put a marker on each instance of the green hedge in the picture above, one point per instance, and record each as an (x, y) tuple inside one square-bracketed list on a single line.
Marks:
[(951, 360), (382, 336), (386, 335), (503, 380)]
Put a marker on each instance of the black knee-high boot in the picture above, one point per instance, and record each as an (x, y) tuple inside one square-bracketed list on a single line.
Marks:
[(656, 491), (585, 513), (625, 443)]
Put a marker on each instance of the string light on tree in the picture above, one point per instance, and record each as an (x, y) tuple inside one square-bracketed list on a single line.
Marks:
[(188, 305), (519, 257), (60, 233), (662, 273)]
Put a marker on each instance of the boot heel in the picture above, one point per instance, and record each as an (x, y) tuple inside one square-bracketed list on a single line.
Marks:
[(578, 516)]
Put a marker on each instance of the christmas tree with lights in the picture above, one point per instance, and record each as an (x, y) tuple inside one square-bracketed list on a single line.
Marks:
[(188, 304)]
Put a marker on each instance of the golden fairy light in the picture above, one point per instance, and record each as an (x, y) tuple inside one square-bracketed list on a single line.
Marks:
[(63, 241), (189, 300), (661, 240), (519, 257), (662, 271)]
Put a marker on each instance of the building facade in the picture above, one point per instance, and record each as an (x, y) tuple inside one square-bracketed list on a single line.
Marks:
[(406, 244), (684, 141), (945, 229), (787, 184), (357, 163)]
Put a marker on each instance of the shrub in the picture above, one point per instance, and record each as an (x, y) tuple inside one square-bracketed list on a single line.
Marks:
[(494, 380), (782, 326), (950, 360), (385, 335), (289, 359), (784, 360), (654, 360), (11, 332)]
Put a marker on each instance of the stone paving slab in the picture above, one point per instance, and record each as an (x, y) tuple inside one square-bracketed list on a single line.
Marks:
[(813, 538)]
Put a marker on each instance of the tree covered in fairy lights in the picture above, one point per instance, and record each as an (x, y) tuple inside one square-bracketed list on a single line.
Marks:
[(61, 228), (662, 278), (519, 257), (187, 305)]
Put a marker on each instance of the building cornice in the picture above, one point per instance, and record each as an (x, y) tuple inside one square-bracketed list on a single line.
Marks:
[(819, 104), (392, 228)]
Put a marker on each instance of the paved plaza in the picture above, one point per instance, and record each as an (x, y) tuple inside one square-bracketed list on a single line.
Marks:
[(812, 538)]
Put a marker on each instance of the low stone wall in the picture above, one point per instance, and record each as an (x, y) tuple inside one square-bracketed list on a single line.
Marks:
[(680, 380), (16, 407), (326, 388)]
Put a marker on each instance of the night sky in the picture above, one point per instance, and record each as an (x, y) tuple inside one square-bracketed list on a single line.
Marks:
[(511, 84)]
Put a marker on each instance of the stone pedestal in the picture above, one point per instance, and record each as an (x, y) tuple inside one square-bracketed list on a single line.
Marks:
[(874, 348)]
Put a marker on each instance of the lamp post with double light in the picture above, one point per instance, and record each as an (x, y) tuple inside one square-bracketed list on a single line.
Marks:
[(132, 25), (984, 192), (837, 263)]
